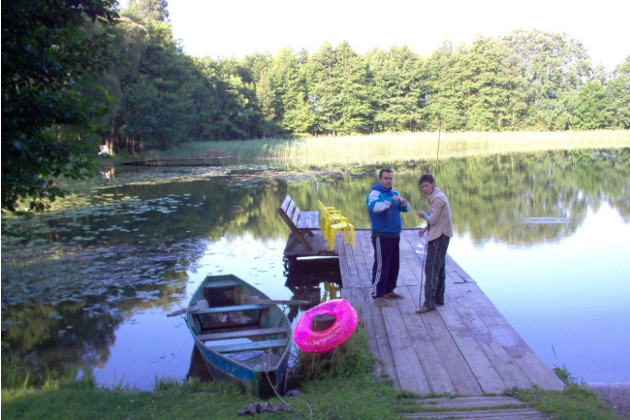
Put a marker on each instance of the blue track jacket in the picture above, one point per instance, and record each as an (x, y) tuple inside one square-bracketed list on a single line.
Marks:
[(384, 211)]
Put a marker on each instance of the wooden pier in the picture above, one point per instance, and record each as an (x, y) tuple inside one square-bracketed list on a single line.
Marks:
[(465, 347)]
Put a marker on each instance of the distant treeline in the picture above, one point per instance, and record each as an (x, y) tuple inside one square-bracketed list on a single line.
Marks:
[(526, 80)]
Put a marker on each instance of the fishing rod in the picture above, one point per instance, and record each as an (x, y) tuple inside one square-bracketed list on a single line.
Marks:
[(437, 157)]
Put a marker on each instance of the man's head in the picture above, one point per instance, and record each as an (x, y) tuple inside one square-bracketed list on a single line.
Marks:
[(427, 183), (386, 178)]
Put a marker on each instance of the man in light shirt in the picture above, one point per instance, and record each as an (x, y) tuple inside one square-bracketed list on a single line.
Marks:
[(440, 231)]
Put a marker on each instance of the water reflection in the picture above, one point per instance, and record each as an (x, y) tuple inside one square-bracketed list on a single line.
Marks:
[(97, 279), (306, 278), (197, 369)]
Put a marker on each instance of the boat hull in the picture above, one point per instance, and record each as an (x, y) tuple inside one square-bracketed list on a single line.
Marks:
[(245, 344), (263, 383)]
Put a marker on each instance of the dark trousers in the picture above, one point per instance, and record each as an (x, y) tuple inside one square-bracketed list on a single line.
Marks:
[(386, 265), (435, 271)]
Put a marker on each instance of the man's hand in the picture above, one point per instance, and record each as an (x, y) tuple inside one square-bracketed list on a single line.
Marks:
[(401, 200), (422, 231), (421, 213)]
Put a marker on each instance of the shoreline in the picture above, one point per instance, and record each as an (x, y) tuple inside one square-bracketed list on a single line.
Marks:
[(614, 394)]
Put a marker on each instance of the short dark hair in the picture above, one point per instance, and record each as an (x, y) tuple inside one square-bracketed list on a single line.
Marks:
[(426, 178), (380, 174)]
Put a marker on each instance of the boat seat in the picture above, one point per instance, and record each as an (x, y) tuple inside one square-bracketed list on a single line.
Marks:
[(234, 308), (254, 345), (221, 284), (242, 333)]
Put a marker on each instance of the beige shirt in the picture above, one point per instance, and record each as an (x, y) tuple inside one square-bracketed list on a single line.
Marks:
[(440, 220)]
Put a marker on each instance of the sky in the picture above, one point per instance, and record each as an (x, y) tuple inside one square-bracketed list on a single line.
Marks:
[(236, 28)]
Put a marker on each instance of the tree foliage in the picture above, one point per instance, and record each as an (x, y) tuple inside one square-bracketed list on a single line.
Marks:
[(53, 54), (522, 81), (554, 66)]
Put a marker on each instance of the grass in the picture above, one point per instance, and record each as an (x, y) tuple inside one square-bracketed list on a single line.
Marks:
[(346, 389), (575, 402), (329, 152), (339, 385)]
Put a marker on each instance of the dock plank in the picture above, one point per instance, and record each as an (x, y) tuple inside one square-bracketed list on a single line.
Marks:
[(504, 335), (382, 339), (472, 343), (468, 320), (404, 348), (453, 360), (433, 370), (465, 347)]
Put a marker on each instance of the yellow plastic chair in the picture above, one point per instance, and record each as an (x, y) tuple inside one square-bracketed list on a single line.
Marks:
[(332, 221), (327, 215), (349, 233), (341, 225), (333, 228), (322, 217)]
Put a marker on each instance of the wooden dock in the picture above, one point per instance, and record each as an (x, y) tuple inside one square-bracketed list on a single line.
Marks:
[(216, 161), (466, 347)]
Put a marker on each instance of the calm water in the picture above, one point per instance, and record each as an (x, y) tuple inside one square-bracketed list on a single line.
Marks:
[(546, 236)]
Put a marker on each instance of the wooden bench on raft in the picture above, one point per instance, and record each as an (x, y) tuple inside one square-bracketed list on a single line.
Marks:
[(301, 224), (216, 155), (302, 242)]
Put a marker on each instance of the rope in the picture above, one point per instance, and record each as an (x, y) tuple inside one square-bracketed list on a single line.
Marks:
[(276, 392)]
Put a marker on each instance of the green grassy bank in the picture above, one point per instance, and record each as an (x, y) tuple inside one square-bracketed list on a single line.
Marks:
[(327, 152), (339, 387)]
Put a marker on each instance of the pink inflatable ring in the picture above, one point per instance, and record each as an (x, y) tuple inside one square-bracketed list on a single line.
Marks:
[(318, 341)]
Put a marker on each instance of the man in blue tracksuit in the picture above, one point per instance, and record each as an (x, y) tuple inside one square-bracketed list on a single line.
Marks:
[(385, 205)]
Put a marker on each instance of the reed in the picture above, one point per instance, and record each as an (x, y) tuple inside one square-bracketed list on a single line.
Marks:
[(338, 151)]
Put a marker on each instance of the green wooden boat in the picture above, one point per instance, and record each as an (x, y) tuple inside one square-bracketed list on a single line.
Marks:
[(241, 337)]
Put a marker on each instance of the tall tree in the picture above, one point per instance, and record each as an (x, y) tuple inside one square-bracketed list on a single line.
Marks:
[(350, 74), (321, 88), (397, 89), (157, 106), (236, 94), (589, 107), (53, 53), (492, 90), (618, 97), (213, 99), (287, 79), (554, 66), (133, 40), (444, 102), (146, 11)]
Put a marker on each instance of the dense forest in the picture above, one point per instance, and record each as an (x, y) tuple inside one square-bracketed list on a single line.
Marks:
[(79, 73), (526, 80)]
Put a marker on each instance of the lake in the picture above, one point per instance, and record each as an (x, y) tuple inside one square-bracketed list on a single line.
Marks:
[(546, 236)]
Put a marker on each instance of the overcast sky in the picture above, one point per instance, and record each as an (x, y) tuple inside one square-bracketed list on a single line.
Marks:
[(235, 28)]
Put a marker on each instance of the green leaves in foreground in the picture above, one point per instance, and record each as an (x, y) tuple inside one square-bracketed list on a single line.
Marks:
[(53, 54)]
